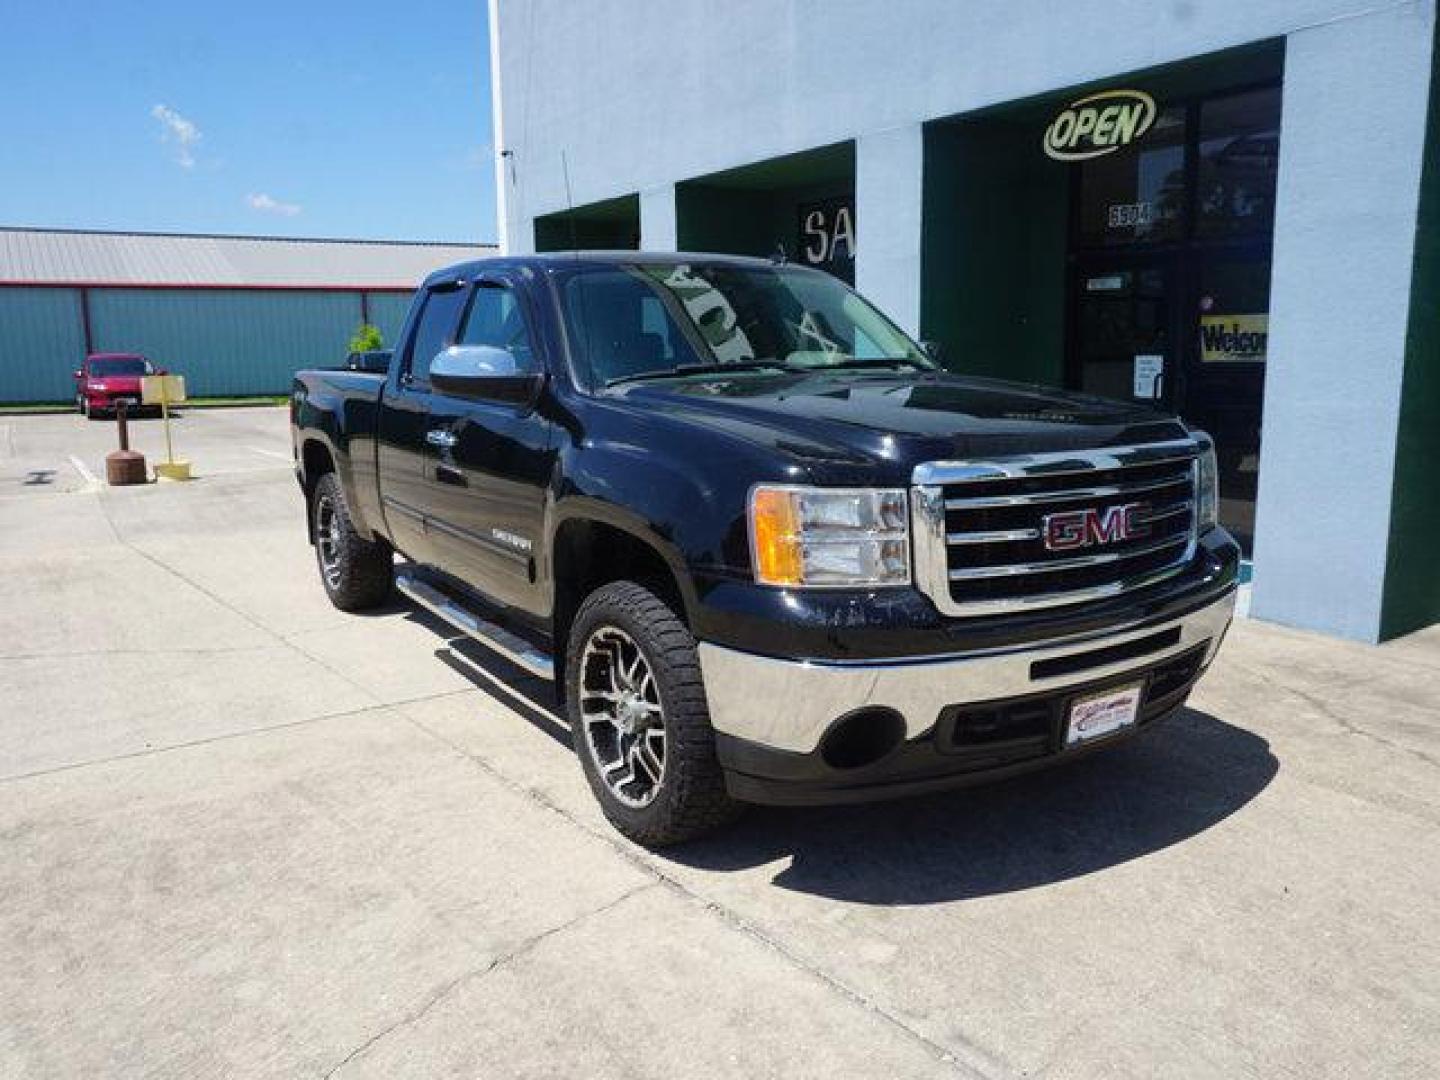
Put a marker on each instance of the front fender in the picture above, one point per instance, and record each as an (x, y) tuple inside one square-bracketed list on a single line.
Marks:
[(650, 501), (678, 486)]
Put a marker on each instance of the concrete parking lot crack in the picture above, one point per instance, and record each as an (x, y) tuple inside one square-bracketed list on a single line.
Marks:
[(966, 1060), (443, 992), (241, 613), (247, 733), (100, 499), (1327, 710), (90, 654)]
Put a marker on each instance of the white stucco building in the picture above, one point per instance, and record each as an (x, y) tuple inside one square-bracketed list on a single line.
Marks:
[(1229, 208)]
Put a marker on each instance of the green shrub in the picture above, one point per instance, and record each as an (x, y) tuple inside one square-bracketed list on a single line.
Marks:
[(367, 339)]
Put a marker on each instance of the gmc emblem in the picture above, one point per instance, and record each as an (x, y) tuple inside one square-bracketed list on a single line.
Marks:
[(1072, 529)]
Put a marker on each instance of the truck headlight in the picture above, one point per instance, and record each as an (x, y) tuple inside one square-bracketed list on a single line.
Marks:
[(1207, 493), (829, 536)]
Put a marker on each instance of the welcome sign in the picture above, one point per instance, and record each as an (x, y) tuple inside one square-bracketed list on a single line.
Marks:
[(1230, 338)]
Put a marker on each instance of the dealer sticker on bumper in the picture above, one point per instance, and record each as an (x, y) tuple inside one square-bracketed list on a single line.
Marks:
[(1103, 714)]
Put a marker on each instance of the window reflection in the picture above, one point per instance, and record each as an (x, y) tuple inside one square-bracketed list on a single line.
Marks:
[(1139, 193), (1239, 154)]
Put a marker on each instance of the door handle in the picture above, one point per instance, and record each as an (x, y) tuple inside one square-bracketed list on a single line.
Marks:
[(445, 440), (449, 474)]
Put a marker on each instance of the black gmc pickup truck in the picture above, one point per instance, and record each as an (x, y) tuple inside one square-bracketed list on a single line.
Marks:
[(767, 548)]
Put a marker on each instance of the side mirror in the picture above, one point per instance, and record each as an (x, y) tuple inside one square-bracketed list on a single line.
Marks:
[(484, 373), (934, 350), (77, 374)]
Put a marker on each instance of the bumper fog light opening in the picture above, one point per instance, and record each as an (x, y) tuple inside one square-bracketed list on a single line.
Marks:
[(862, 737)]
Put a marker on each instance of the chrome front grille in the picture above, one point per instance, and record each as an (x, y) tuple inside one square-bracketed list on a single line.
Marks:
[(1048, 529)]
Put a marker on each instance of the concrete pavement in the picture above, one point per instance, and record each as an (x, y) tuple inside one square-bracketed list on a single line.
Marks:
[(245, 834)]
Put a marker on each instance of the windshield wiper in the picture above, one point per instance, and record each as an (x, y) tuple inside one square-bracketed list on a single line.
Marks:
[(870, 362), (682, 370)]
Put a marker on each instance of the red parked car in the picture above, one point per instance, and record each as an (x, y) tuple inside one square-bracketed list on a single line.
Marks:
[(108, 378)]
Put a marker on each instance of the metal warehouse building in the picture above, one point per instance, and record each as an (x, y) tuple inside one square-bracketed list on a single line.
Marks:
[(235, 315), (1229, 209)]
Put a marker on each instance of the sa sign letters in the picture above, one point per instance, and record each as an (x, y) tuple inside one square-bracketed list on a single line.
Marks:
[(827, 232)]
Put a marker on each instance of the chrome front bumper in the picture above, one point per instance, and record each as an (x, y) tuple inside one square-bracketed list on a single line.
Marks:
[(789, 704)]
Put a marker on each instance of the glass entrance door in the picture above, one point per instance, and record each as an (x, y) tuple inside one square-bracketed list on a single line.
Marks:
[(1169, 286), (1186, 335), (1124, 346)]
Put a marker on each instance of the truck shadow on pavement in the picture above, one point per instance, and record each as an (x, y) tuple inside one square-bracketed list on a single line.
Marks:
[(1171, 783), (1185, 775)]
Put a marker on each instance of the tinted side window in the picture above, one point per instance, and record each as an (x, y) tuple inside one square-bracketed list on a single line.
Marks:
[(436, 331), (496, 319), (621, 327)]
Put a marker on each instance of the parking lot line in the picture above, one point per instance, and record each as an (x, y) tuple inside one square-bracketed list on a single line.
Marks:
[(89, 477), (269, 453)]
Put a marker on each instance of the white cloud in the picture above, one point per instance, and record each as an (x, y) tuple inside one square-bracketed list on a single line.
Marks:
[(268, 205), (178, 131)]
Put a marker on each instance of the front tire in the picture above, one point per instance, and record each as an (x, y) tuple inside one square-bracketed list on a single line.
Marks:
[(357, 573), (639, 720)]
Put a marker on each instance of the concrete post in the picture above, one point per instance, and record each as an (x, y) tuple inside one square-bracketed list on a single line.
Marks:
[(497, 127), (658, 228), (1352, 135), (889, 167)]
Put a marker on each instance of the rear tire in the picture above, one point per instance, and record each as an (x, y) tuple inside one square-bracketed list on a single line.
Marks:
[(357, 573), (639, 720)]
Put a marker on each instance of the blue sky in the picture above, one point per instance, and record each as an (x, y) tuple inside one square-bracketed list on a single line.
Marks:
[(306, 118)]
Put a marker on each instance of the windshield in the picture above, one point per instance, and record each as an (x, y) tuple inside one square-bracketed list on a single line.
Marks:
[(657, 321), (129, 365)]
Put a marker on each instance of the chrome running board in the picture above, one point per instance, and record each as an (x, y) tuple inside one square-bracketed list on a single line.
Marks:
[(511, 646)]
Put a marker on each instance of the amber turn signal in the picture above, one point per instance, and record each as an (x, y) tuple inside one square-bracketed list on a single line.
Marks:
[(775, 537)]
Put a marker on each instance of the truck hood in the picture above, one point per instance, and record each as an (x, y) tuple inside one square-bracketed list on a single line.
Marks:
[(875, 427)]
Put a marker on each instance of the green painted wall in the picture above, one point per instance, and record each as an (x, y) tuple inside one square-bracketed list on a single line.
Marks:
[(754, 209), (387, 313), (41, 343), (227, 341), (554, 233), (612, 225), (748, 221), (993, 251), (1412, 571), (727, 220)]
